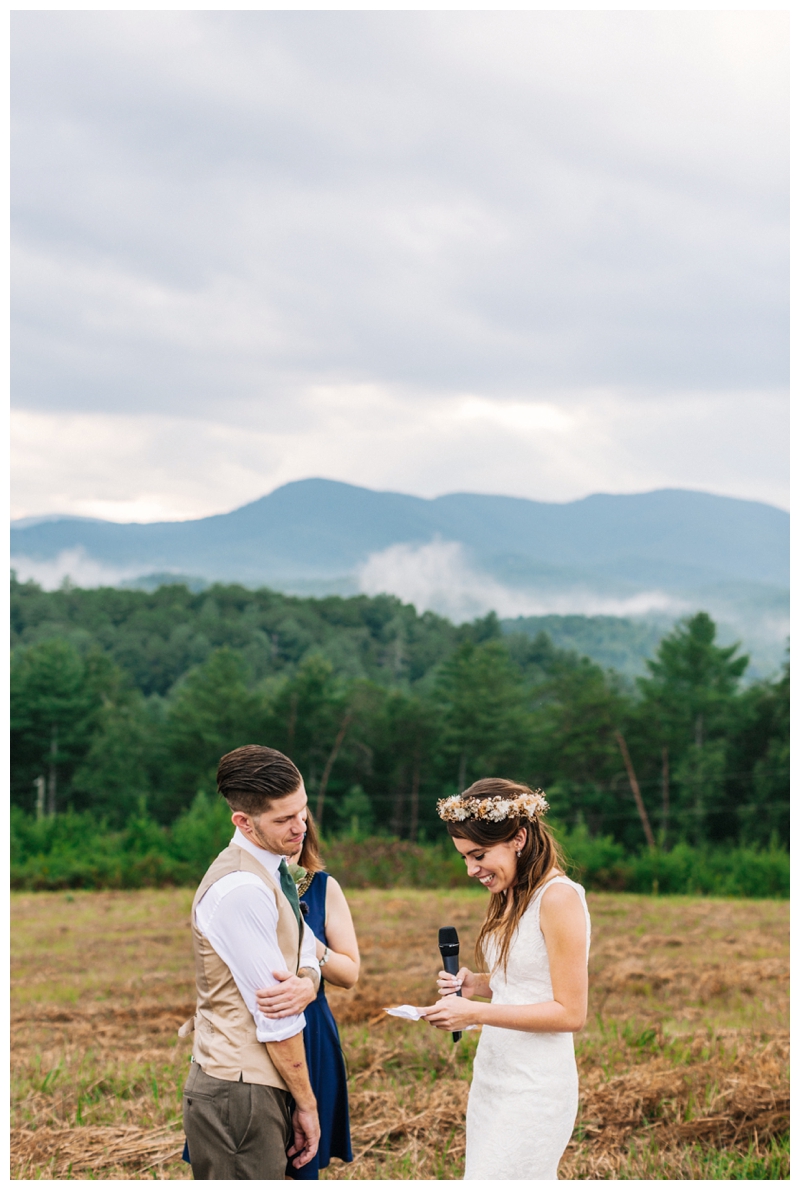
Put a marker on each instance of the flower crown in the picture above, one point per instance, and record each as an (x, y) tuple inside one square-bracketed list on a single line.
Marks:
[(492, 809)]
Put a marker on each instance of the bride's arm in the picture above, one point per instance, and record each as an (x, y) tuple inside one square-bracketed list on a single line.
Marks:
[(564, 927)]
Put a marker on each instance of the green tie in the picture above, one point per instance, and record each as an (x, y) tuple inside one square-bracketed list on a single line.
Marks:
[(290, 890)]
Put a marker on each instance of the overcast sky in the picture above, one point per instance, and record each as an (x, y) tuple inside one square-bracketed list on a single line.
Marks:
[(535, 253)]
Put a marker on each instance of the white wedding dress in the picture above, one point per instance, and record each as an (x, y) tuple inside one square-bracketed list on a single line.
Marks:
[(524, 1095)]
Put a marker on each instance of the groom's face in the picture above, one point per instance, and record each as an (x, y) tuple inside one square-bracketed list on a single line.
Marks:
[(281, 827)]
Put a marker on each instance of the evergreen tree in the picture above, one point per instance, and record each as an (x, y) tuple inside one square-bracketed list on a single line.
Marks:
[(213, 711), (119, 696), (758, 782), (125, 759), (56, 697), (688, 707), (485, 723), (693, 681), (412, 728), (308, 715), (576, 754)]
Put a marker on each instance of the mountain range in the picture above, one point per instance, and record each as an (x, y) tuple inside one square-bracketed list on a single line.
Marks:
[(656, 554)]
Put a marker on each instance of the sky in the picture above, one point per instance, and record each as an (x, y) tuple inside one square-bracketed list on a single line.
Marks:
[(541, 254)]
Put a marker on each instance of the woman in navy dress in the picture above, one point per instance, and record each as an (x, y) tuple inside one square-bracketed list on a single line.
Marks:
[(328, 917)]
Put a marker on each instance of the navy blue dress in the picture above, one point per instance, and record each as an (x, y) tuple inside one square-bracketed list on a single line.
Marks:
[(324, 1055)]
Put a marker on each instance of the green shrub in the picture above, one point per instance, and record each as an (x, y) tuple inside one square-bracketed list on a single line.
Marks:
[(393, 863), (596, 862), (201, 832), (600, 863), (80, 851), (719, 871)]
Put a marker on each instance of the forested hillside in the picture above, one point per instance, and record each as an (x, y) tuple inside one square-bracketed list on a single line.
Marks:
[(123, 699), (614, 642)]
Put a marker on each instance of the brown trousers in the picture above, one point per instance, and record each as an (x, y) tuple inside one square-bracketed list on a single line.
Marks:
[(236, 1131)]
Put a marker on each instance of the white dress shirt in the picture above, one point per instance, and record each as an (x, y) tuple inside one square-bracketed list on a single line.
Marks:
[(239, 916)]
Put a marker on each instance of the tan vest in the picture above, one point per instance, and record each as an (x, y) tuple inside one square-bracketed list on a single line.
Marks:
[(225, 1042)]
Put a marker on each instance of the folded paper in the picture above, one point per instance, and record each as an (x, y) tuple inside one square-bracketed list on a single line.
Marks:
[(408, 1012)]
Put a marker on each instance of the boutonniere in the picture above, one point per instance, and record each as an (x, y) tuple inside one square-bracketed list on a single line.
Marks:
[(296, 872)]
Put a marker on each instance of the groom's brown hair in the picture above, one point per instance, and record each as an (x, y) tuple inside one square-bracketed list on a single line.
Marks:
[(252, 777)]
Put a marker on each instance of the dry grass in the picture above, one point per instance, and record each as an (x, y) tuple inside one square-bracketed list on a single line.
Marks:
[(684, 1062)]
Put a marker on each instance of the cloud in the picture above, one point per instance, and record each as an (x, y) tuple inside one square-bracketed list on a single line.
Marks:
[(75, 565), (437, 577), (124, 467), (323, 227)]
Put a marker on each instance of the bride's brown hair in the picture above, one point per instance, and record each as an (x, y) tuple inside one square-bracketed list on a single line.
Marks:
[(538, 855), (310, 858)]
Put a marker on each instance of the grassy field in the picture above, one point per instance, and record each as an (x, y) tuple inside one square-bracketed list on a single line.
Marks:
[(684, 1060)]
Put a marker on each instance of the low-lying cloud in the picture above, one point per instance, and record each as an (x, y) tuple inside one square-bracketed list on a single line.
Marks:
[(438, 577), (75, 565)]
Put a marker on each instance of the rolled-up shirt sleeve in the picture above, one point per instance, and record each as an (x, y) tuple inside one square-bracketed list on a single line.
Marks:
[(308, 951), (239, 917)]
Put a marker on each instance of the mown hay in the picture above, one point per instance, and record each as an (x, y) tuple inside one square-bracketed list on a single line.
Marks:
[(727, 1105), (730, 1101), (76, 1152), (683, 1063), (428, 1114)]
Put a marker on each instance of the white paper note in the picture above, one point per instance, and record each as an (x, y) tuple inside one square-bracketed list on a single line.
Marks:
[(409, 1013)]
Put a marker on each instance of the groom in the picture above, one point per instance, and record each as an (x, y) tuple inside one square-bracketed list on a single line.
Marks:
[(248, 1100)]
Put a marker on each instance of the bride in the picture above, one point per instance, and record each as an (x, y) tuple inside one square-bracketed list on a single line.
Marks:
[(533, 949)]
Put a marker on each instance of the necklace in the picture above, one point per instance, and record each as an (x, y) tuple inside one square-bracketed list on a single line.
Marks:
[(302, 885)]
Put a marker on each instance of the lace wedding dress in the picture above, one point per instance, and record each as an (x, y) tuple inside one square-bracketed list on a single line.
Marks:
[(524, 1094)]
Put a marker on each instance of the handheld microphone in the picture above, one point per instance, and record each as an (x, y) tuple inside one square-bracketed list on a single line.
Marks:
[(448, 949)]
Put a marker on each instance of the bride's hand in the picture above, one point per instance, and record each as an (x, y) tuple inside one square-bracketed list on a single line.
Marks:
[(449, 984), (452, 1013)]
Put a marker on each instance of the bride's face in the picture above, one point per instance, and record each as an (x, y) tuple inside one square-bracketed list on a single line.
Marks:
[(494, 867)]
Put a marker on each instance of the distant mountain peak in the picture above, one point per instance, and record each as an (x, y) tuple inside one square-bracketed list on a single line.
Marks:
[(316, 486)]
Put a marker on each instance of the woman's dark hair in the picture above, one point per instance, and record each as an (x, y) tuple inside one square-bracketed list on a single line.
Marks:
[(310, 858), (252, 777), (539, 854)]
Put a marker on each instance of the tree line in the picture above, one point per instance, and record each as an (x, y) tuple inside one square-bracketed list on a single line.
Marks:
[(125, 700)]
